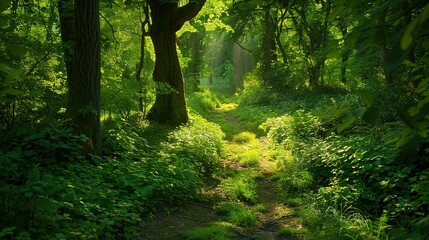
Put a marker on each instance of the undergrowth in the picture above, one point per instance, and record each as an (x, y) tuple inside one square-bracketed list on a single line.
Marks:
[(352, 182), (50, 191)]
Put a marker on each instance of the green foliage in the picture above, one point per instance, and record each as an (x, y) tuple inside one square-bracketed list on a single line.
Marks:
[(330, 223), (240, 187), (296, 183), (237, 213), (249, 158), (200, 142), (124, 140), (203, 101), (302, 125), (50, 191), (244, 137), (291, 233)]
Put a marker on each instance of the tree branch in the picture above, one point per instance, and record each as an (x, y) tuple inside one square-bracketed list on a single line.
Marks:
[(187, 12)]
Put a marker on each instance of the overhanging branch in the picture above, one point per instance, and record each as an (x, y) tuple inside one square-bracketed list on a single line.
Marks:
[(187, 12)]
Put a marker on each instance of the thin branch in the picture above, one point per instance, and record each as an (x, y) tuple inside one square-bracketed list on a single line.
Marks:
[(244, 48), (112, 29), (37, 63)]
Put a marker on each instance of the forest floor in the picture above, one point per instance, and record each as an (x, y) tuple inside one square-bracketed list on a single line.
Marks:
[(274, 219)]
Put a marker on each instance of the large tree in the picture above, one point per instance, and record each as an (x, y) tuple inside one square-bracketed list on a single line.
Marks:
[(83, 72), (168, 18)]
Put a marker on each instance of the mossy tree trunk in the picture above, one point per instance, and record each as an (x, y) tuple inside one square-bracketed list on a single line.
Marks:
[(167, 18)]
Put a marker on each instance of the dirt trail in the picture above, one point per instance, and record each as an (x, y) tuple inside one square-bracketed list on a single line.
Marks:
[(275, 217)]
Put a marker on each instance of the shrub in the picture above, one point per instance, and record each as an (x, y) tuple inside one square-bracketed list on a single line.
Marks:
[(203, 101), (301, 125), (200, 142), (295, 183)]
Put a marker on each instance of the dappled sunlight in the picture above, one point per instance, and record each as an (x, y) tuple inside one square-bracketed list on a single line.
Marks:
[(227, 107)]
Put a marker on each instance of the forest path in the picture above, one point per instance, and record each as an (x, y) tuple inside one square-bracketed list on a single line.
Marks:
[(201, 221)]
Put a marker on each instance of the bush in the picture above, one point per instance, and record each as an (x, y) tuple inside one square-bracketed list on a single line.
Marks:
[(301, 125), (200, 142), (296, 183), (249, 158), (203, 101)]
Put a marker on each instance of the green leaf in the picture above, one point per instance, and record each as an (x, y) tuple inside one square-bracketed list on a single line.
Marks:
[(367, 98), (371, 115), (425, 14), (7, 231), (407, 38), (345, 124), (4, 4)]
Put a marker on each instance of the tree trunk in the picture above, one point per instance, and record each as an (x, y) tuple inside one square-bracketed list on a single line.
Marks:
[(314, 74), (195, 63), (65, 12), (140, 65), (170, 106), (269, 44), (388, 77), (84, 84), (167, 19)]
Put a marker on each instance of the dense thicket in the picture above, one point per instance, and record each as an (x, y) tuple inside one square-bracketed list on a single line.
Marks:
[(340, 88)]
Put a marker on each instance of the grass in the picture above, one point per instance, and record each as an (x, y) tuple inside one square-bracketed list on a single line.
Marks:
[(238, 214), (294, 202), (240, 187), (249, 158), (244, 137)]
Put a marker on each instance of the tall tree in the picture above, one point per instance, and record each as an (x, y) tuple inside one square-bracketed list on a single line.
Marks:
[(83, 106), (269, 45), (315, 27), (168, 18), (66, 13)]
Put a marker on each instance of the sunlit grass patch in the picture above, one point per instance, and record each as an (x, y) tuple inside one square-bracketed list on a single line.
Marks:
[(226, 107), (237, 213), (249, 158), (240, 187), (244, 137)]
